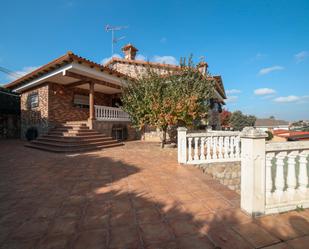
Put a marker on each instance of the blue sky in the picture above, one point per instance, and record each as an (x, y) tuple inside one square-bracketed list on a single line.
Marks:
[(261, 48)]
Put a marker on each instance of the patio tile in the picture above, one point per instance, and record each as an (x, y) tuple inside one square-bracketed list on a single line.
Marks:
[(94, 239), (216, 204), (156, 232), (53, 242), (299, 243), (31, 228), (124, 237), (64, 226), (183, 227), (256, 235)]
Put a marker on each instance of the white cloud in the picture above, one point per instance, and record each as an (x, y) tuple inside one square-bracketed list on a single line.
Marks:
[(22, 72), (108, 58), (231, 99), (264, 91), (166, 59), (232, 91), (140, 57), (292, 99), (301, 56), (268, 70), (163, 40)]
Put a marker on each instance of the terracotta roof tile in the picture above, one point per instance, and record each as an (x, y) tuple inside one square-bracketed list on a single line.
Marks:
[(57, 63)]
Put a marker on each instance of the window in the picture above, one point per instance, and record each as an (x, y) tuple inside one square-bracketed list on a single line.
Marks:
[(81, 101), (33, 100)]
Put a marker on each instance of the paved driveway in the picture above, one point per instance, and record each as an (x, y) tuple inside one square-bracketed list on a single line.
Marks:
[(135, 196)]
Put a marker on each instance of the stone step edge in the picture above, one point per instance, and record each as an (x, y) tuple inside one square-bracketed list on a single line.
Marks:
[(72, 150)]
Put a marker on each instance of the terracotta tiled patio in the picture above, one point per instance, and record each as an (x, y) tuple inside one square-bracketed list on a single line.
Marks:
[(135, 196)]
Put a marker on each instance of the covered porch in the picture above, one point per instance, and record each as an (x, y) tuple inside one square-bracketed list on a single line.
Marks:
[(80, 90)]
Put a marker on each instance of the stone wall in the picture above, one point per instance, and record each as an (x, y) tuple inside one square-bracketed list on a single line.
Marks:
[(227, 173), (38, 116), (105, 127)]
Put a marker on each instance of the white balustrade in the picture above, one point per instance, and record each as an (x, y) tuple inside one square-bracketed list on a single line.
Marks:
[(282, 161), (108, 113), (208, 146)]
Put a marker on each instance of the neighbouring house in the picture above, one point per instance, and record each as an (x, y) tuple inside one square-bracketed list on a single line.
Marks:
[(284, 135), (266, 124), (9, 114), (74, 102)]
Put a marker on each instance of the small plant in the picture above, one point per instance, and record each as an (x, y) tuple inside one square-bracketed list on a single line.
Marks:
[(299, 208), (269, 136)]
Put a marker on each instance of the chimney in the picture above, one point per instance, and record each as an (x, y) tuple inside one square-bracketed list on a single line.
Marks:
[(202, 67), (129, 51)]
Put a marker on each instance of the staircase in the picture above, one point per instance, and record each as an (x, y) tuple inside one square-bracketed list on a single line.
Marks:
[(73, 136)]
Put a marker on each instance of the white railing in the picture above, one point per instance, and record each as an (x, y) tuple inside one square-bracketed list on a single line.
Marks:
[(274, 176), (107, 113), (286, 176), (208, 147)]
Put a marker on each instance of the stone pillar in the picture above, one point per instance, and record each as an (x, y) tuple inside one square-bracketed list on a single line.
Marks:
[(253, 172), (91, 105), (182, 144)]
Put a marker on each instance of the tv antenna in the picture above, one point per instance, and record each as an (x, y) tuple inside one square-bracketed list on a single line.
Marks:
[(109, 28)]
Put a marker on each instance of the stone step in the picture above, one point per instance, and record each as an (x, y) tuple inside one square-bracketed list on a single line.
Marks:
[(71, 129), (71, 149), (74, 137), (74, 133), (79, 140), (75, 144), (76, 122)]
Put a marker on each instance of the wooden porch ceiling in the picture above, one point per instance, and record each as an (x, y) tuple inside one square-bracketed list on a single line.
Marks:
[(86, 79)]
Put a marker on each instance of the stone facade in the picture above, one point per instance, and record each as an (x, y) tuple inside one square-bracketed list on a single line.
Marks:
[(228, 173), (134, 70)]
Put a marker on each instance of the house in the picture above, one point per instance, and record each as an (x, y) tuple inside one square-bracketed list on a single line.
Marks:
[(266, 124), (72, 101)]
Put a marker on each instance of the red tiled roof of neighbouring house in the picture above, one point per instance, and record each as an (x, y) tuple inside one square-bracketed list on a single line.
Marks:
[(268, 122), (59, 62)]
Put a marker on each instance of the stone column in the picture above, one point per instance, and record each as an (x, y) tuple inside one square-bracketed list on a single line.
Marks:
[(182, 144), (253, 172), (91, 105)]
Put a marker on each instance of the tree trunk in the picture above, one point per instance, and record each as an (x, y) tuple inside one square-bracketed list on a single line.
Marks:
[(163, 137)]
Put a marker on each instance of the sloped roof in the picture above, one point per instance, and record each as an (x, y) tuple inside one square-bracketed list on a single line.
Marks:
[(115, 60), (268, 122), (69, 57)]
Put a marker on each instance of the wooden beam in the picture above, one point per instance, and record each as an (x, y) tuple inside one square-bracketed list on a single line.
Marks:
[(90, 79), (77, 83)]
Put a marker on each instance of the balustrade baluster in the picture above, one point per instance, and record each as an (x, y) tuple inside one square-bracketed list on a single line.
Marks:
[(208, 155), (303, 175), (232, 146), (269, 181), (237, 147), (214, 148), (220, 147), (226, 147), (190, 149), (279, 181), (196, 157), (291, 177), (202, 156)]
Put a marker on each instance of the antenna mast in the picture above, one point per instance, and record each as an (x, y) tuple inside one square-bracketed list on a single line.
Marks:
[(113, 29)]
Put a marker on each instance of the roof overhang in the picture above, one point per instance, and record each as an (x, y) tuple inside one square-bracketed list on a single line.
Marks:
[(65, 75)]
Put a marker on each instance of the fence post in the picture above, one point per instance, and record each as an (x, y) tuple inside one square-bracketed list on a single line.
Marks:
[(253, 171), (182, 144)]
